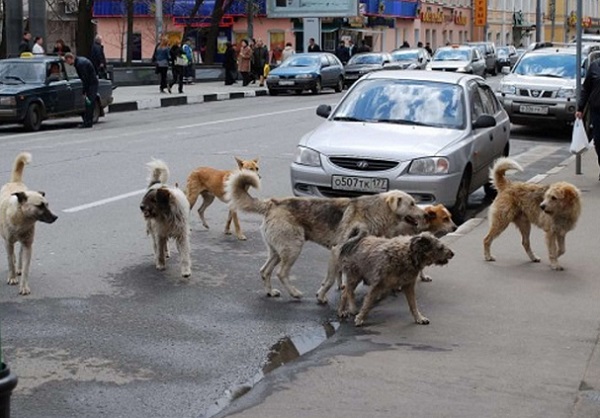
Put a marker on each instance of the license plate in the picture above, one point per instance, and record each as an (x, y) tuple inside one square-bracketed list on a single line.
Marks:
[(537, 110), (352, 76), (359, 184), (286, 83)]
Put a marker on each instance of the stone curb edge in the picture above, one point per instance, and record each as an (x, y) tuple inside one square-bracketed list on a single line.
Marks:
[(176, 100)]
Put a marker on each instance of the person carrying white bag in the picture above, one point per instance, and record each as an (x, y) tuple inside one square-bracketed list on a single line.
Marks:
[(590, 101), (579, 140)]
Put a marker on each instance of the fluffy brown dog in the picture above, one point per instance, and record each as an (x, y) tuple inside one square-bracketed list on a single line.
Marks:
[(20, 209), (554, 208), (166, 211), (386, 264), (210, 183), (289, 222)]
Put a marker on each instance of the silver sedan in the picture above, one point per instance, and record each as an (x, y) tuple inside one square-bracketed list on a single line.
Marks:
[(432, 134)]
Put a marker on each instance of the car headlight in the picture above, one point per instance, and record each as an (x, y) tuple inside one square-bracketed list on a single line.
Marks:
[(566, 93), (8, 101), (307, 156), (428, 67), (463, 69), (272, 77), (304, 76), (429, 166), (507, 89)]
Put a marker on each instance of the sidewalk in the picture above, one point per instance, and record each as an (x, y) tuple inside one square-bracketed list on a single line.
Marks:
[(128, 98), (506, 339)]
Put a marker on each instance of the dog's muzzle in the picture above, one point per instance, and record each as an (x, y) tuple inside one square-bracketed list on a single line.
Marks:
[(543, 207), (411, 221), (145, 212)]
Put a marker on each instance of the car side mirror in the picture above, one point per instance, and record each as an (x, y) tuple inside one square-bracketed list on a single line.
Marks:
[(324, 110), (484, 121), (505, 70)]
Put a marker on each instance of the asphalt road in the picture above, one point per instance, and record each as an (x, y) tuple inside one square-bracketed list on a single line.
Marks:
[(105, 334)]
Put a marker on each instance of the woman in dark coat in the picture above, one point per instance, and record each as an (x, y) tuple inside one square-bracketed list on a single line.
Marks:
[(229, 64), (259, 59)]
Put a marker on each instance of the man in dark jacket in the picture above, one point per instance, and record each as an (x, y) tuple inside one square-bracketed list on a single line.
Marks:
[(312, 46), (25, 45), (229, 64), (89, 80), (342, 52), (98, 58), (590, 102)]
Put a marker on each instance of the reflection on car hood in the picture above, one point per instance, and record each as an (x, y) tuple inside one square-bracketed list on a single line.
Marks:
[(293, 70), (449, 64), (379, 140), (542, 83), (358, 67)]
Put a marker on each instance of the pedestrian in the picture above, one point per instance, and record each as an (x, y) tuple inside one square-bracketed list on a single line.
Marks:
[(161, 58), (363, 47), (351, 48), (428, 48), (89, 82), (244, 58), (60, 48), (342, 52), (24, 46), (287, 52), (312, 46), (98, 58), (405, 45), (178, 60), (37, 48), (419, 44), (188, 76), (260, 58), (589, 103), (229, 64)]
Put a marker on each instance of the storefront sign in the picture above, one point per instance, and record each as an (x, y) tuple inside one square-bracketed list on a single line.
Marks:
[(432, 17), (586, 21), (459, 19), (480, 11)]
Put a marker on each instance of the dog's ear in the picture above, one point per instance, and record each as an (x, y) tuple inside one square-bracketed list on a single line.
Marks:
[(42, 193), (430, 213), (239, 162), (21, 196), (393, 202), (255, 160), (163, 197), (419, 245)]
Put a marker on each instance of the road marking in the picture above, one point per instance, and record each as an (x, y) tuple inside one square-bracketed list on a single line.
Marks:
[(104, 201), (535, 154)]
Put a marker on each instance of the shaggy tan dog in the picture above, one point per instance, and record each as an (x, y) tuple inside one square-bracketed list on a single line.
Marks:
[(289, 222), (210, 183), (554, 208), (20, 209), (166, 211), (386, 264)]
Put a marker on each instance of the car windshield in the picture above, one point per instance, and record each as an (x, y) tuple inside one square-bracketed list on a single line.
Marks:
[(502, 52), (452, 55), (366, 59), (551, 65), (302, 61), (405, 55), (406, 102), (25, 72)]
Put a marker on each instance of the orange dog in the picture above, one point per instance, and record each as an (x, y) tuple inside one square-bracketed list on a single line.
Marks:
[(209, 182), (438, 221)]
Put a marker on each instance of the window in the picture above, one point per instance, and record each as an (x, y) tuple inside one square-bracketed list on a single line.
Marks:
[(488, 100)]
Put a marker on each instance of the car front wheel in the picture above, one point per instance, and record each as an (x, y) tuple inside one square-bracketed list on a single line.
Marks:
[(318, 87), (340, 85), (459, 211), (33, 117)]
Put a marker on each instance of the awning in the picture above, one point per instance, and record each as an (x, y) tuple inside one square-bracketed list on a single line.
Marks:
[(360, 30), (323, 30)]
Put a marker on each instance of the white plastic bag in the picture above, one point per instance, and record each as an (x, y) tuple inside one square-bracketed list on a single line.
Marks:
[(579, 141)]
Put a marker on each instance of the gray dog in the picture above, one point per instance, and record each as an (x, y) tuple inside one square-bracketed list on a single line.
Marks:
[(386, 264)]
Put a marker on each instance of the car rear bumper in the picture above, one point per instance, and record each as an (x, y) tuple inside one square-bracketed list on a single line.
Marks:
[(316, 182), (522, 110)]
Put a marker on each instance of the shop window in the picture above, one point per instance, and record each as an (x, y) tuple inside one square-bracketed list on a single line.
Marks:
[(276, 45), (329, 41)]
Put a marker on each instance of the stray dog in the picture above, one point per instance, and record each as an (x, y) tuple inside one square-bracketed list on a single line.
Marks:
[(555, 208), (386, 264), (20, 208), (289, 222), (166, 211), (209, 183)]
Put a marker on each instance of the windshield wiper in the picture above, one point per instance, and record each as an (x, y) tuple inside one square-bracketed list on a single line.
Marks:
[(348, 119), (14, 77), (401, 122)]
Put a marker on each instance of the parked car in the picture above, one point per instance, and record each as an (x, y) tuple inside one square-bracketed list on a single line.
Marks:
[(507, 57), (36, 88), (462, 59), (363, 63), (541, 87), (432, 134), (408, 59), (488, 51), (311, 71)]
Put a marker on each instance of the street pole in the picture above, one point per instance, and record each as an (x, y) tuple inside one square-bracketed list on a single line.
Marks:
[(37, 19), (538, 21), (13, 22), (158, 15), (578, 73)]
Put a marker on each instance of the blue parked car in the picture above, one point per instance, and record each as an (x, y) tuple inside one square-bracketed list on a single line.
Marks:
[(311, 71)]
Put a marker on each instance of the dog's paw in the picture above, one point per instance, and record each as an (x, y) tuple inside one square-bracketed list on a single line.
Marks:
[(321, 299), (422, 321), (12, 281), (186, 273), (226, 232), (160, 267), (18, 272), (295, 293), (242, 237), (426, 278), (556, 267), (343, 313), (24, 290), (536, 259), (274, 293), (359, 321), (490, 258)]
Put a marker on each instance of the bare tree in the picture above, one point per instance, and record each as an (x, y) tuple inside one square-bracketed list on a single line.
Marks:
[(85, 30)]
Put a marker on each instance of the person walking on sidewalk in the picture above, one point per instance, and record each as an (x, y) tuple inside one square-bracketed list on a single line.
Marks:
[(589, 103), (288, 51), (161, 58), (25, 46), (259, 59), (38, 48), (98, 58), (89, 82), (244, 58), (188, 76), (178, 61), (229, 64), (312, 46)]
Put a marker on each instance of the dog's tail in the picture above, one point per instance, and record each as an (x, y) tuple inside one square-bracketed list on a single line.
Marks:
[(21, 161), (236, 192), (498, 171), (159, 172), (356, 235)]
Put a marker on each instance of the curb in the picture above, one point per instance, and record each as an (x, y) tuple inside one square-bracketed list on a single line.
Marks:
[(159, 102)]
